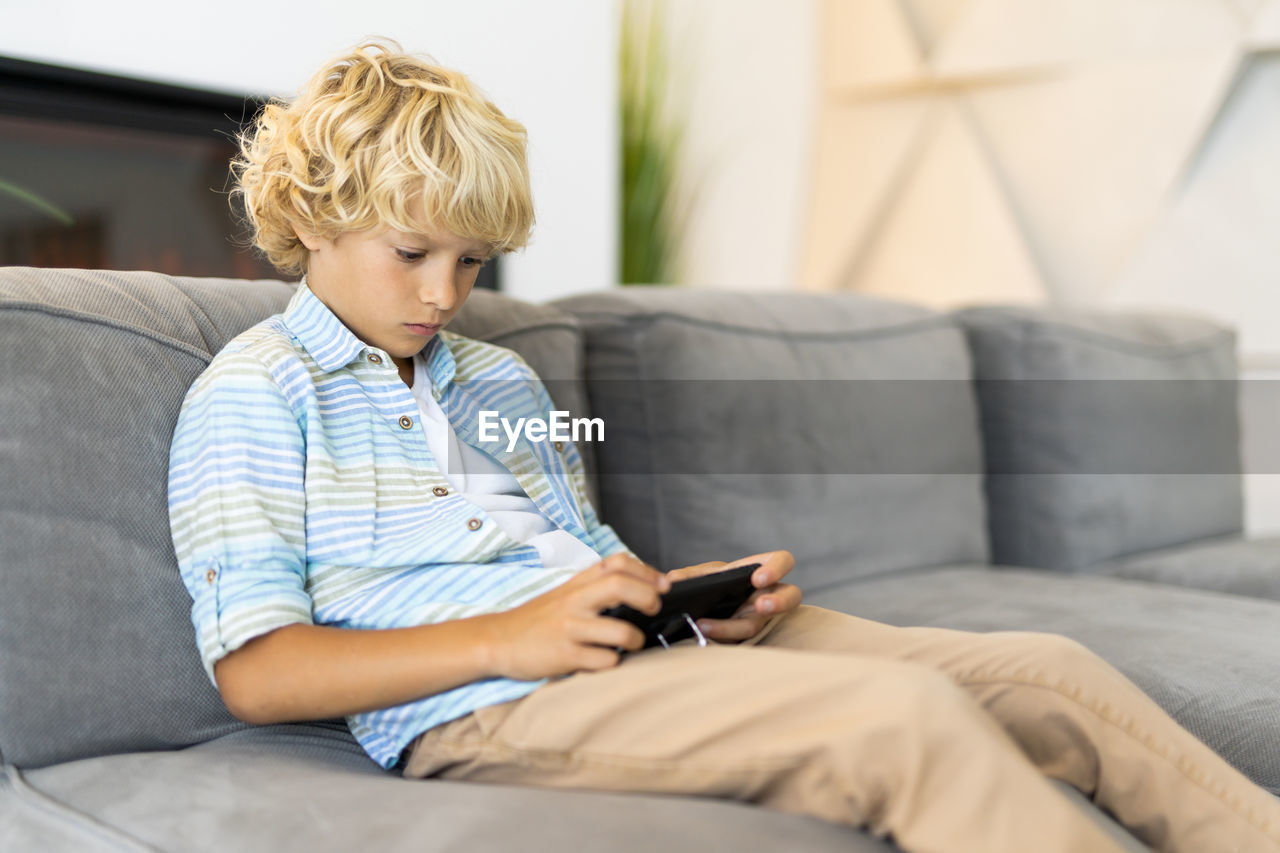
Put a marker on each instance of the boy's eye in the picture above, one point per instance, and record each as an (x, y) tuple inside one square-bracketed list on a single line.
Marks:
[(473, 262), (408, 256)]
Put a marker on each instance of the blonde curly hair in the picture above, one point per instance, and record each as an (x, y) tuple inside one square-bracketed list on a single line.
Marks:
[(382, 138)]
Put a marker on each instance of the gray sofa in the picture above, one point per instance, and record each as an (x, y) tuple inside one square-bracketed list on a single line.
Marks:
[(925, 468)]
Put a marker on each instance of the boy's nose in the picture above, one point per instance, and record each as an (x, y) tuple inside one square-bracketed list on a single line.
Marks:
[(438, 289)]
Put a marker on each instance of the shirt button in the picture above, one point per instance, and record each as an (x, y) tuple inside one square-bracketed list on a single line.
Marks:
[(374, 358), (406, 422), (210, 575), (474, 524), (559, 447), (439, 491)]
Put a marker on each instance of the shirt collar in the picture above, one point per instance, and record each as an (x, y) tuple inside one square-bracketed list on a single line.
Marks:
[(440, 361), (434, 367), (332, 345)]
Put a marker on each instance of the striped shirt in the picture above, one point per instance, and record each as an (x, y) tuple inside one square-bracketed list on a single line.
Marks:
[(302, 490)]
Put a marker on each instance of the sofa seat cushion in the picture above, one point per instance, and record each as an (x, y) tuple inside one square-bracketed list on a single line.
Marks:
[(838, 426), (1232, 564), (1208, 658), (306, 787), (302, 788)]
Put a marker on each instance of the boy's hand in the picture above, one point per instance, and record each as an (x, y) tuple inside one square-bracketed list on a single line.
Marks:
[(562, 631), (769, 599)]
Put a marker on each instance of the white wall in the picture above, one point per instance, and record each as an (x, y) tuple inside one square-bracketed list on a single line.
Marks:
[(1109, 154), (754, 79), (549, 64)]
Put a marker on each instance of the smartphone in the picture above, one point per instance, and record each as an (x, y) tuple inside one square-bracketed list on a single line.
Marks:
[(714, 596)]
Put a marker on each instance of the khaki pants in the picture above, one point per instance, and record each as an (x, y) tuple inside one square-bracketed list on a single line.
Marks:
[(941, 739)]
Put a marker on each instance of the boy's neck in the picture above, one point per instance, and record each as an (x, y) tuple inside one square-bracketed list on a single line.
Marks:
[(405, 366)]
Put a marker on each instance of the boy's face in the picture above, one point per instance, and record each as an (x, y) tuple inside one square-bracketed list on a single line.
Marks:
[(394, 290)]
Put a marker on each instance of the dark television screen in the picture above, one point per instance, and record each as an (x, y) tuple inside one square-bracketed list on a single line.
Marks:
[(106, 172)]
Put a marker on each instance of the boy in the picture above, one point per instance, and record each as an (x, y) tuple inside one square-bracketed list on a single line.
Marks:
[(352, 548)]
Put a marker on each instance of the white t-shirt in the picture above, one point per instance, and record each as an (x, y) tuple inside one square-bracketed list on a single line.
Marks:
[(482, 480)]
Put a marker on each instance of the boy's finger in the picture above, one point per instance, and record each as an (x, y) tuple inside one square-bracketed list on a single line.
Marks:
[(731, 630), (775, 600), (612, 633), (697, 571), (757, 610), (625, 564), (622, 588), (774, 566)]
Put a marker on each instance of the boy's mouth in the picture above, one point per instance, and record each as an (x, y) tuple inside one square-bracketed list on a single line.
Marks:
[(424, 329)]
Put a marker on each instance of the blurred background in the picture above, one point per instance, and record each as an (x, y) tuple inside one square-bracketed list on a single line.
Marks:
[(1095, 153)]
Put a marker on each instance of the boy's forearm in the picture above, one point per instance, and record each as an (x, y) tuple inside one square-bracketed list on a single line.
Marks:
[(310, 672)]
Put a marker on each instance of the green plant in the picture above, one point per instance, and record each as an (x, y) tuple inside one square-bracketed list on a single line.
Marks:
[(27, 196), (652, 133)]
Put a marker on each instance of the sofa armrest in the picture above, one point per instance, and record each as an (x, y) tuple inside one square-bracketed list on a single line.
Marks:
[(1104, 434)]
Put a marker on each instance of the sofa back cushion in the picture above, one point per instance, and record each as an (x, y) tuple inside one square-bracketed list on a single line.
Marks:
[(1106, 434), (97, 651), (839, 427)]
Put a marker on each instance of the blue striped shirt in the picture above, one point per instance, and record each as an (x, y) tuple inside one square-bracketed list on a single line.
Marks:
[(302, 490)]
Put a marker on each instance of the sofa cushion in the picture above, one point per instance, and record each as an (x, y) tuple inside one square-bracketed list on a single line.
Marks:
[(1227, 564), (97, 652), (304, 788), (1207, 658), (546, 337), (299, 788), (96, 646), (840, 427), (1105, 434)]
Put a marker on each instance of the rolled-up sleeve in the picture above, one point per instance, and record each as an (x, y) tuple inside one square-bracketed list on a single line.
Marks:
[(237, 506)]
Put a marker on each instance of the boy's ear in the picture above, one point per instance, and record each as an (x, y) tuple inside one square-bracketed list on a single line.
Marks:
[(313, 242)]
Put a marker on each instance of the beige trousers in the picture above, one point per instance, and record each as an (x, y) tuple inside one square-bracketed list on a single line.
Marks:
[(940, 739)]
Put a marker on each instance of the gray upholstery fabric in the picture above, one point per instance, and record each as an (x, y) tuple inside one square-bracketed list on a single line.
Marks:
[(270, 789), (840, 427), (546, 337), (1145, 454), (1226, 564), (97, 652), (1208, 659), (324, 795)]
